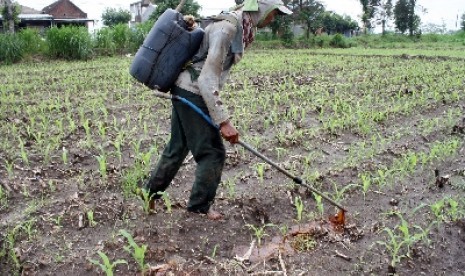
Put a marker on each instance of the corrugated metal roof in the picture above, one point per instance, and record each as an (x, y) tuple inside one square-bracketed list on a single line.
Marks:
[(34, 16), (28, 10), (24, 9)]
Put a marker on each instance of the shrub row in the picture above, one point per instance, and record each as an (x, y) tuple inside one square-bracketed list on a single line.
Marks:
[(71, 42), (78, 43)]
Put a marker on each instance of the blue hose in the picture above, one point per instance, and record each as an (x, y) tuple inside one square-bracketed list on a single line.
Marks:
[(198, 110)]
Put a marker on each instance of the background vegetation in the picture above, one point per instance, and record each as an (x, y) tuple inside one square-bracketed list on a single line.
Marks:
[(322, 29)]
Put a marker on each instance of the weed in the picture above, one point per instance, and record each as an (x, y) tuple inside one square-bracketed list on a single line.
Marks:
[(303, 242)]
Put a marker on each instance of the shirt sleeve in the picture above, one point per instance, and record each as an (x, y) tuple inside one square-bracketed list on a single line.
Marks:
[(219, 40)]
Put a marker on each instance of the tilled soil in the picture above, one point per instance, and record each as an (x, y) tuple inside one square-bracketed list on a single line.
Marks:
[(46, 226)]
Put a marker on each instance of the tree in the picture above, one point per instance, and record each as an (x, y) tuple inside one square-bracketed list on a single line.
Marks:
[(190, 7), (112, 17), (462, 24), (10, 12), (334, 23), (306, 12), (413, 19), (401, 15), (368, 8), (379, 11), (431, 28), (384, 13), (405, 16)]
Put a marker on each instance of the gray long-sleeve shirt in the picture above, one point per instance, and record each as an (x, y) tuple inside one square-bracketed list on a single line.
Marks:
[(214, 70)]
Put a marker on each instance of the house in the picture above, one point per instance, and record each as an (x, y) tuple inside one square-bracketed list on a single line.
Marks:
[(60, 13), (140, 11), (65, 12)]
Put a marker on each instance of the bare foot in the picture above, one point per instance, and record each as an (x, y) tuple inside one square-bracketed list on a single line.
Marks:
[(214, 215)]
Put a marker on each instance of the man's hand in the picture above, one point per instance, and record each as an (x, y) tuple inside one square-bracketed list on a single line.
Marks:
[(229, 132)]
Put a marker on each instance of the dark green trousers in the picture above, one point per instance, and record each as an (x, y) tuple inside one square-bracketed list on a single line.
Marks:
[(190, 132)]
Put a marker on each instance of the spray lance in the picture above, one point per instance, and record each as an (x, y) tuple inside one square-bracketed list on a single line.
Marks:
[(337, 219)]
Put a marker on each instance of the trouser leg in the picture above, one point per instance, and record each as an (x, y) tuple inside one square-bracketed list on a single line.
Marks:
[(171, 159), (206, 145)]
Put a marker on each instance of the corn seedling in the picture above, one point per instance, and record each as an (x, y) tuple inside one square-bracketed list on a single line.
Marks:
[(102, 162), (260, 171), (3, 198), (102, 129), (47, 154), (366, 183), (319, 203), (147, 199), (213, 255), (90, 218), (166, 200), (283, 229), (64, 155), (299, 206), (259, 232), (339, 193), (9, 165), (447, 209), (231, 187), (106, 266), (28, 227), (86, 126), (400, 240), (24, 155), (137, 252)]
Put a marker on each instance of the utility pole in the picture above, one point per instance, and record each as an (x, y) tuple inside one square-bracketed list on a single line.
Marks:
[(10, 21)]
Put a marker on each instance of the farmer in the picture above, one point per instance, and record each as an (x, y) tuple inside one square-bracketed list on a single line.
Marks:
[(223, 45)]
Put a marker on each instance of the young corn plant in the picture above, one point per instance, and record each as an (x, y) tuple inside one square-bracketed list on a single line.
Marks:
[(137, 252), (299, 206), (9, 165), (339, 193), (366, 183), (400, 240), (106, 265), (64, 155), (102, 162), (231, 187), (24, 155), (260, 171), (166, 200), (147, 200), (259, 232), (90, 218), (319, 203), (3, 198)]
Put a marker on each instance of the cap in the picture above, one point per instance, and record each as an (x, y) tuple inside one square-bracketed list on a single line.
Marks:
[(268, 5), (284, 10)]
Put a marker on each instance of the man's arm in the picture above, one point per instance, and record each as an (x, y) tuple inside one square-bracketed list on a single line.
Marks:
[(219, 41)]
